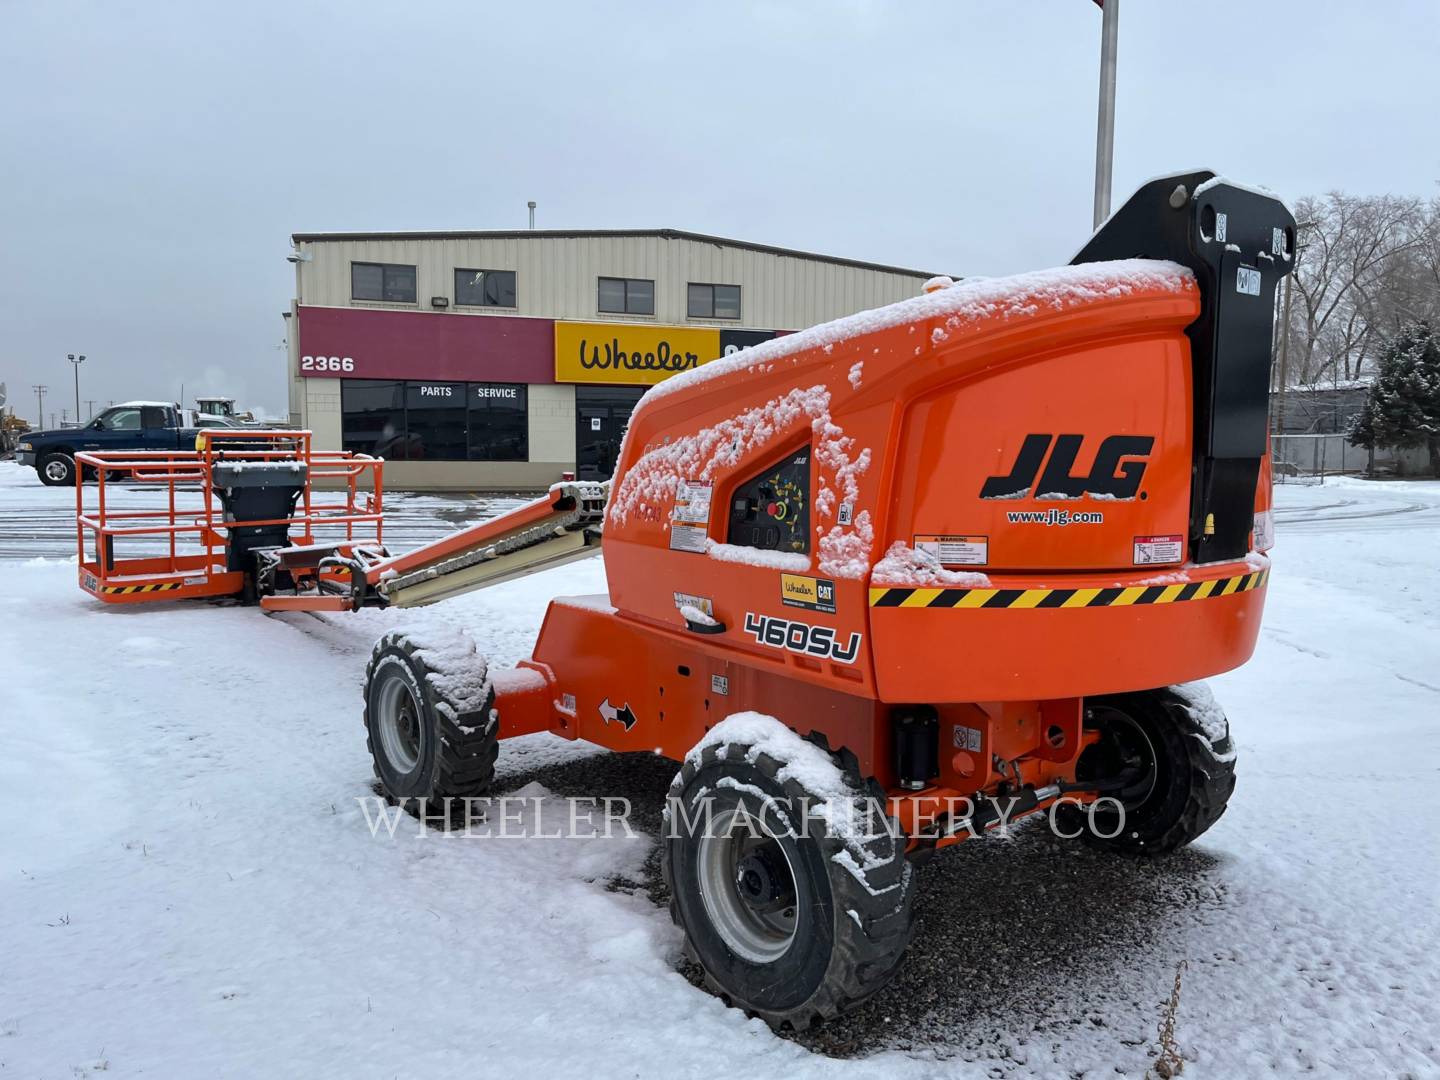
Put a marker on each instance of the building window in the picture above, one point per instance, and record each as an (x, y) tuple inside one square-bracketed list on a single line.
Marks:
[(435, 421), (713, 301), (391, 282), (627, 296), (485, 288), (499, 422), (373, 417)]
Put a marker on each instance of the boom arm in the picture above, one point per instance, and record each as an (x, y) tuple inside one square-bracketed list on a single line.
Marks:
[(559, 527)]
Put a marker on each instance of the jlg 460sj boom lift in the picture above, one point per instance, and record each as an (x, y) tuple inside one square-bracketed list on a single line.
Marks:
[(880, 586), (962, 557)]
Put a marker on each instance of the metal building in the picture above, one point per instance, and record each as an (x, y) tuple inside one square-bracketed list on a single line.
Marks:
[(503, 360)]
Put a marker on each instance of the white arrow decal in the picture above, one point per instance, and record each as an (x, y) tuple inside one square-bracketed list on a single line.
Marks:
[(609, 714)]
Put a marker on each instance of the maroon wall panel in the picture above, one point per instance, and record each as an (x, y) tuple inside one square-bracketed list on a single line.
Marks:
[(383, 344)]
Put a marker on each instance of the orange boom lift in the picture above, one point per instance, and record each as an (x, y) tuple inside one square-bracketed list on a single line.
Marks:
[(888, 584)]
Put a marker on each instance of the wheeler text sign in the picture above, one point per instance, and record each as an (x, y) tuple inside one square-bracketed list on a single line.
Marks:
[(625, 354)]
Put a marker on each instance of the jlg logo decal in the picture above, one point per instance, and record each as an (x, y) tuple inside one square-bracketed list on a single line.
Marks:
[(1110, 477), (801, 637)]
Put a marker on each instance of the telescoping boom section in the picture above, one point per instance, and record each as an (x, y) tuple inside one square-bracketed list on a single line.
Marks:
[(560, 526)]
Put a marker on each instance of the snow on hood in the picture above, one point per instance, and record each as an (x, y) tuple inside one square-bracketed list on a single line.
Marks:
[(970, 301), (647, 488)]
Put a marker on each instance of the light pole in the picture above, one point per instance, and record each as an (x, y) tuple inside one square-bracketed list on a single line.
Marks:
[(1105, 127), (40, 404), (75, 362)]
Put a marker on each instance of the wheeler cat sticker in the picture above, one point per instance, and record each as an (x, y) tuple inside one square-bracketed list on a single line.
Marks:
[(816, 594)]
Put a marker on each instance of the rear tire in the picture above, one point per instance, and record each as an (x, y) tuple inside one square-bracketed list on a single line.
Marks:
[(56, 470), (430, 723), (790, 921), (1184, 737)]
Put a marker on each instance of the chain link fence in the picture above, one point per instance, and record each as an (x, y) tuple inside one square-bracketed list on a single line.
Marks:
[(1309, 458)]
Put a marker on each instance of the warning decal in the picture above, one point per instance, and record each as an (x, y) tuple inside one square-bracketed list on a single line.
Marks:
[(687, 538), (692, 503), (955, 550), (1158, 549), (690, 517), (702, 603), (966, 738)]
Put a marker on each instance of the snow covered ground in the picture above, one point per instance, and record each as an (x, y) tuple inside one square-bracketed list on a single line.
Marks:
[(188, 886)]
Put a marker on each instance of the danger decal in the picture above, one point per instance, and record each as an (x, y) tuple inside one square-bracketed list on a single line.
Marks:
[(1159, 549)]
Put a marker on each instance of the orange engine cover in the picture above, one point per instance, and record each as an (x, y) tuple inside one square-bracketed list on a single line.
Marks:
[(981, 494)]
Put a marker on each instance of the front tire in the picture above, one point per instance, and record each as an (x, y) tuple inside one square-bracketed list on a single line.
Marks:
[(1177, 735), (793, 917), (430, 722), (56, 470)]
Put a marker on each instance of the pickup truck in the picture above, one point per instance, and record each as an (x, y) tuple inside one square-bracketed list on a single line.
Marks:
[(131, 425)]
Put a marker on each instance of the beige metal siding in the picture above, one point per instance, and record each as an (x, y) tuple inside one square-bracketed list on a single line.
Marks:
[(552, 424), (556, 277), (322, 412)]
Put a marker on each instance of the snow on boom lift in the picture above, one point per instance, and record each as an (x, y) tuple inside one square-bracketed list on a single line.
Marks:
[(887, 584)]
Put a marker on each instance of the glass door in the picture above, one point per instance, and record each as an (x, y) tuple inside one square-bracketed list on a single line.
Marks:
[(601, 414)]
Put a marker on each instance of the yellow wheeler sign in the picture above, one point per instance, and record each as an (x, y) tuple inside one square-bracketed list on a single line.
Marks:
[(625, 354)]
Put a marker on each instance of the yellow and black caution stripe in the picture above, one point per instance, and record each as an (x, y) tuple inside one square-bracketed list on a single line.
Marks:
[(1066, 598), (126, 590)]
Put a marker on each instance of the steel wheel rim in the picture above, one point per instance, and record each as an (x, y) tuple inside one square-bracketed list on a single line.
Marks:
[(57, 470), (1127, 736), (759, 937), (399, 716)]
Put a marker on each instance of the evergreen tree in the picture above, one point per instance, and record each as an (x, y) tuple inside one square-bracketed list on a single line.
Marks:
[(1402, 408)]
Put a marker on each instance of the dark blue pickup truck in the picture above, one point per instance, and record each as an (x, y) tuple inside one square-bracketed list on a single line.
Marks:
[(131, 425)]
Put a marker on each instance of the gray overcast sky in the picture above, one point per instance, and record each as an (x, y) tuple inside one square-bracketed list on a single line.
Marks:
[(155, 157)]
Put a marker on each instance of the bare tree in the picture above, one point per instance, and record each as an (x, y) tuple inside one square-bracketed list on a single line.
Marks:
[(1363, 264)]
